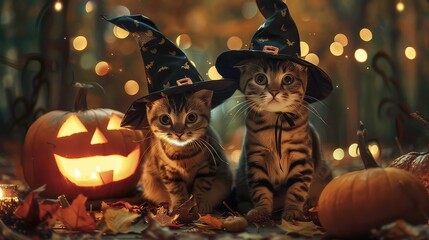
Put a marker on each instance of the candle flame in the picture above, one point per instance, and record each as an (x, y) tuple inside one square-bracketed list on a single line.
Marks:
[(1, 193)]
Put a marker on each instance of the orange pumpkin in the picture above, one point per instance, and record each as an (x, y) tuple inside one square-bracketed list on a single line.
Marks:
[(83, 151), (356, 202)]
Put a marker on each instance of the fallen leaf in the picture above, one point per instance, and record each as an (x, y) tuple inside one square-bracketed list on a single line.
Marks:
[(211, 221), (156, 232), (75, 216), (47, 211), (121, 204), (200, 228), (163, 219), (119, 220), (186, 211), (400, 229), (307, 229), (29, 209)]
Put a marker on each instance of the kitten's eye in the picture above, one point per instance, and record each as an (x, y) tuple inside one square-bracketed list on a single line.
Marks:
[(261, 79), (288, 80), (164, 119), (191, 118)]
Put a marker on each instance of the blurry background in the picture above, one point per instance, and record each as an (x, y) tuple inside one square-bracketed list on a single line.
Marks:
[(376, 53)]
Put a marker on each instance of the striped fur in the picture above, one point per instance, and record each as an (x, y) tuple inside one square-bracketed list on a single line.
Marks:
[(185, 157), (278, 180)]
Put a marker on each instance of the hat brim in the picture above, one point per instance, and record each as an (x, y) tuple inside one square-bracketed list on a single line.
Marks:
[(135, 117), (319, 84)]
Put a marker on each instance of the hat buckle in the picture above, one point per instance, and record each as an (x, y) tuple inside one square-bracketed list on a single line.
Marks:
[(271, 50), (184, 81)]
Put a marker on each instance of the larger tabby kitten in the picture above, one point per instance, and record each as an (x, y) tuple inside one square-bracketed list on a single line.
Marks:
[(185, 157), (280, 149)]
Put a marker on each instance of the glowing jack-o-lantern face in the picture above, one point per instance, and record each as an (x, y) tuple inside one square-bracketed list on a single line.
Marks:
[(83, 152), (95, 170)]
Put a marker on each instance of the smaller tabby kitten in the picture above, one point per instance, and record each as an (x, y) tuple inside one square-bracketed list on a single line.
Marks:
[(185, 156), (281, 155)]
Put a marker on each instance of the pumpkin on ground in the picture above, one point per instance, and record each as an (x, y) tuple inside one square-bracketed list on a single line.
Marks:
[(83, 151), (356, 202), (415, 162)]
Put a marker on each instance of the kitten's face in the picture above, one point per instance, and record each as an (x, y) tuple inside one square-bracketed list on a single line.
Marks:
[(272, 85), (180, 119)]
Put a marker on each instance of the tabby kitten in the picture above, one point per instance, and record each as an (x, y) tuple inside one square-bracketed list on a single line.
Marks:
[(280, 149), (185, 157)]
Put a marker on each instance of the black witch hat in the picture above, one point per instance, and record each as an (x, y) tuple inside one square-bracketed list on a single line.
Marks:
[(168, 70), (276, 38)]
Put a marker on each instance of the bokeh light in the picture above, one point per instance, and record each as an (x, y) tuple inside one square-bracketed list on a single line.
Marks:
[(353, 150), (338, 154), (410, 53), (234, 43), (375, 150), (313, 58), (400, 6), (361, 55), (131, 87), (120, 33), (305, 49), (102, 68), (80, 43), (89, 6), (249, 10), (336, 49), (214, 74), (58, 6), (341, 38), (365, 34), (121, 11), (184, 41)]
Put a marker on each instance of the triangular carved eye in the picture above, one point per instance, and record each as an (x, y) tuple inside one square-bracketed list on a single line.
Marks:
[(98, 137), (114, 122), (71, 126)]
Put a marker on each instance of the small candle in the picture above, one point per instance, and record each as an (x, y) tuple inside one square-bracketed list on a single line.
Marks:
[(9, 200)]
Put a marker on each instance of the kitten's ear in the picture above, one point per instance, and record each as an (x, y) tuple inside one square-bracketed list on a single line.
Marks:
[(205, 96), (149, 106), (242, 67), (301, 67)]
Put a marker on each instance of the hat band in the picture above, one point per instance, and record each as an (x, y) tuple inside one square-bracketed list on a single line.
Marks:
[(271, 50), (184, 81)]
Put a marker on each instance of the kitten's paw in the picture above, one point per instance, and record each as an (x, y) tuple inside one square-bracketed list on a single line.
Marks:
[(258, 211), (293, 214)]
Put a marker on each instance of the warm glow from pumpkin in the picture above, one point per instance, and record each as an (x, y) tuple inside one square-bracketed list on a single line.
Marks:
[(71, 126), (98, 170), (1, 193), (98, 137), (114, 122)]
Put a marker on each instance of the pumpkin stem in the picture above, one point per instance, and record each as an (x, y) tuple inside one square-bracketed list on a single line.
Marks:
[(418, 116), (80, 103), (365, 154)]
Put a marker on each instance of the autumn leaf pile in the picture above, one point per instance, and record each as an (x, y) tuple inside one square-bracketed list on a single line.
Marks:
[(41, 218)]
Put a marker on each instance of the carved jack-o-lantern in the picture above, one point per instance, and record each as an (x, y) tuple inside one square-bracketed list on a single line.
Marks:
[(85, 151)]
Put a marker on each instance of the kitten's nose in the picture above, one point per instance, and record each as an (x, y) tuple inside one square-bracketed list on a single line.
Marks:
[(179, 134), (274, 92)]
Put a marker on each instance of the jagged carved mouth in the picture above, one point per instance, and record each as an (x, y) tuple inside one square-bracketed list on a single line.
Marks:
[(98, 170)]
